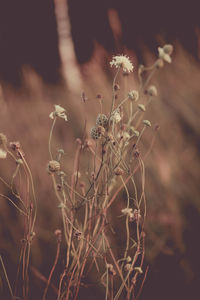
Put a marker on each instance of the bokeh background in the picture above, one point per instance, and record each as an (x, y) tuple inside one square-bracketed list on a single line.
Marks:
[(52, 51)]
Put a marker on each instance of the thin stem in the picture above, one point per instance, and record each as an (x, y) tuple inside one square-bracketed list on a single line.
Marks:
[(6, 276)]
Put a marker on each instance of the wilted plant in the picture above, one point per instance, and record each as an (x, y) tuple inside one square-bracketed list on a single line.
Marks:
[(107, 161)]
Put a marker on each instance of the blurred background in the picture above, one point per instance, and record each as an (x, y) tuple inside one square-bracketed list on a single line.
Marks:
[(53, 51)]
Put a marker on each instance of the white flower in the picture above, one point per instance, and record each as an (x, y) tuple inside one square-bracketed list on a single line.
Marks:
[(163, 55), (127, 211), (3, 154), (59, 112), (116, 118), (122, 61)]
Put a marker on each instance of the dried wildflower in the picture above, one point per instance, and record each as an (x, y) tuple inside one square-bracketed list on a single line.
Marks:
[(133, 95), (95, 134), (138, 269), (136, 133), (147, 123), (152, 91), (122, 61), (59, 112), (126, 135), (128, 259), (111, 269), (19, 161), (136, 215), (61, 205), (3, 139), (102, 120), (58, 234), (141, 107), (3, 154), (168, 49), (53, 166), (128, 267), (119, 171), (165, 52), (116, 118), (127, 211)]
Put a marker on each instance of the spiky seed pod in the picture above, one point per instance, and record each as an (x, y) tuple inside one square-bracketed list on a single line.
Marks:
[(102, 120), (95, 134), (53, 166)]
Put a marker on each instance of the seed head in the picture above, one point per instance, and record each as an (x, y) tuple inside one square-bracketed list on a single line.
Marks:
[(95, 134), (116, 118), (58, 112), (147, 123), (165, 52), (133, 95), (53, 166), (152, 91), (138, 269), (102, 120), (168, 49), (141, 107)]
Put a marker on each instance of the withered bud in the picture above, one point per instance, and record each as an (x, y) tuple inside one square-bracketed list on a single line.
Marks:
[(79, 141), (111, 269), (118, 171), (15, 146), (87, 143), (58, 234), (116, 87), (59, 187), (98, 96)]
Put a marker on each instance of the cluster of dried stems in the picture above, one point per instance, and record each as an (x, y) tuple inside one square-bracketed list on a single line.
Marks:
[(106, 165)]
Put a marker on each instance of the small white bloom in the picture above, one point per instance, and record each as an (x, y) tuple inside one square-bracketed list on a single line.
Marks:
[(3, 154), (165, 56), (122, 61), (116, 118), (133, 95), (127, 211), (59, 112)]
